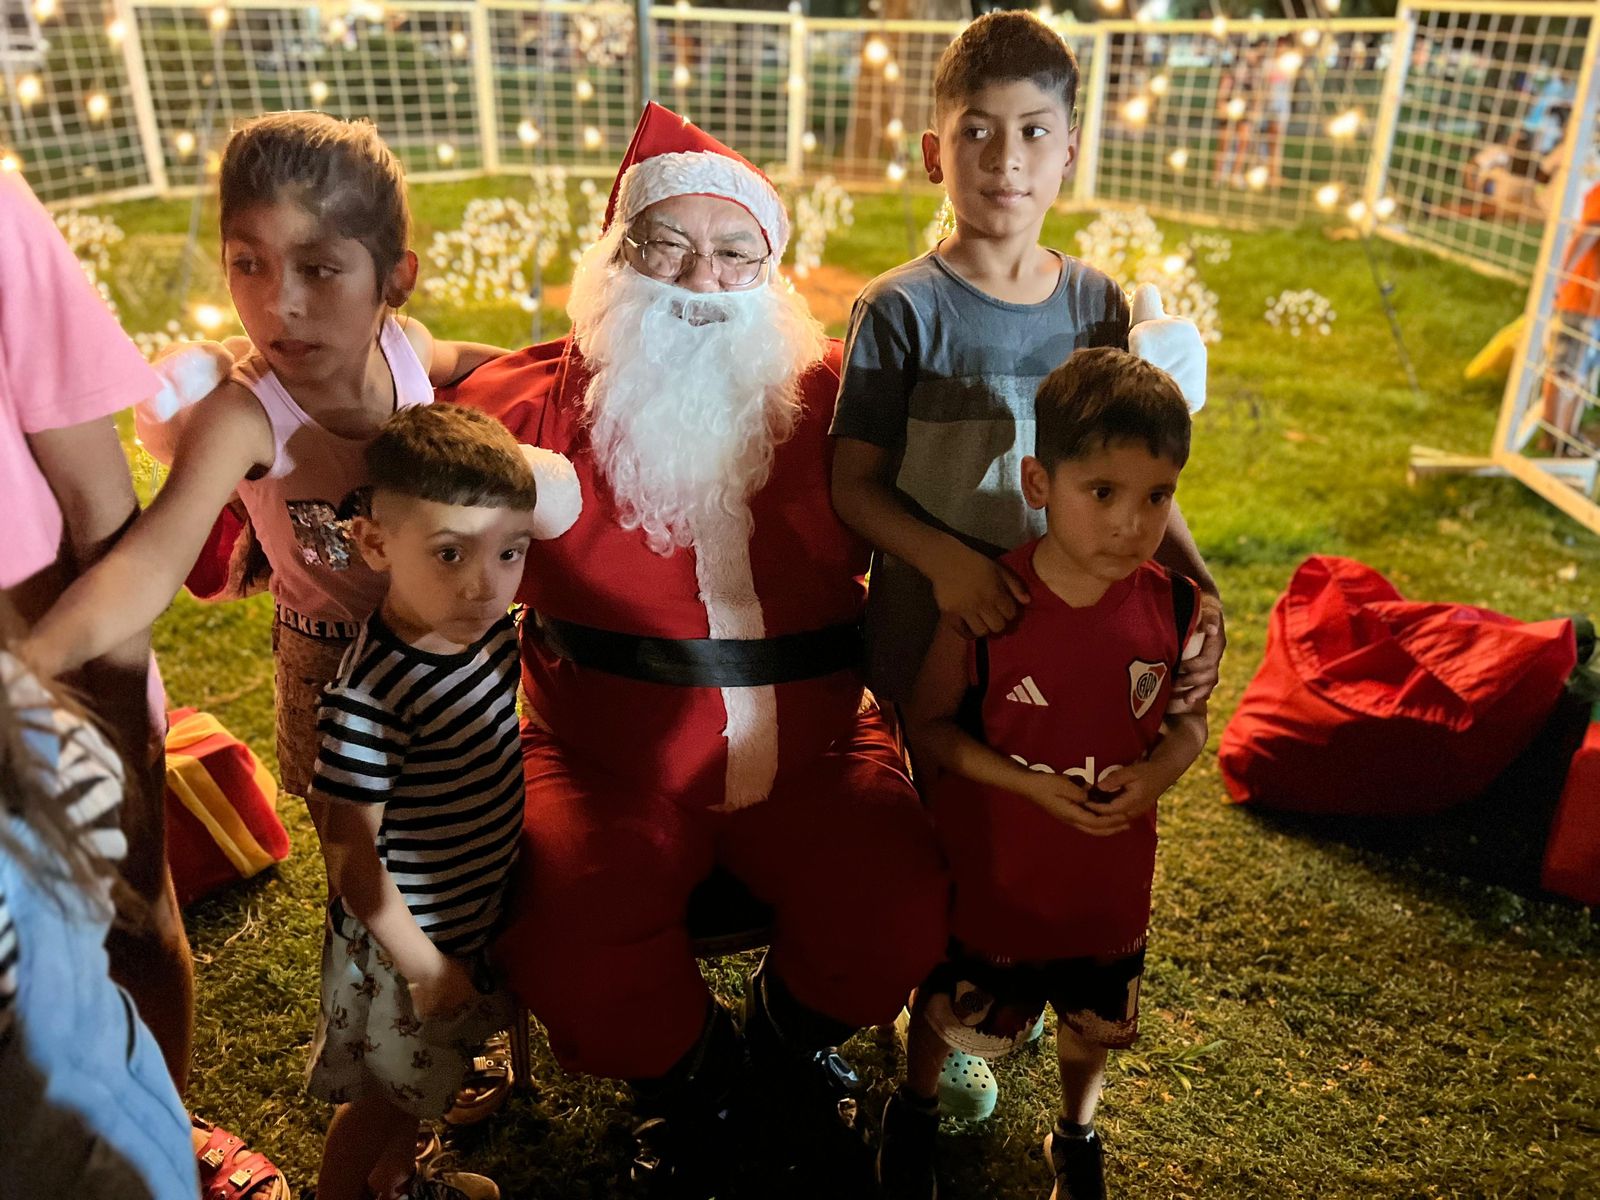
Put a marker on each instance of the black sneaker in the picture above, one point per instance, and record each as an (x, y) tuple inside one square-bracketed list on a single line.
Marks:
[(1080, 1166), (811, 1086), (905, 1150), (678, 1159)]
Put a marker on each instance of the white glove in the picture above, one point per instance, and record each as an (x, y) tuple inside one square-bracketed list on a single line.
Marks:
[(560, 498), (189, 372), (1171, 343)]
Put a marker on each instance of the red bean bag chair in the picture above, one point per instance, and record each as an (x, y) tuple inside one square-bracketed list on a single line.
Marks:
[(1368, 704), (222, 823), (1572, 855)]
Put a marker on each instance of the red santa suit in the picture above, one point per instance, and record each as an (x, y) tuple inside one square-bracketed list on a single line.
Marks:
[(642, 776)]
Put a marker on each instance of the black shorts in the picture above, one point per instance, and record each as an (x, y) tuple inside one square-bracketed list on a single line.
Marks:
[(987, 1008)]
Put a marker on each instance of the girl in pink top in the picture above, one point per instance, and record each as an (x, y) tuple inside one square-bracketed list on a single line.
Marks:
[(314, 230)]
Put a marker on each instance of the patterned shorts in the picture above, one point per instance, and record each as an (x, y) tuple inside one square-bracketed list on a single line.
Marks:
[(302, 667), (369, 1036), (987, 1009)]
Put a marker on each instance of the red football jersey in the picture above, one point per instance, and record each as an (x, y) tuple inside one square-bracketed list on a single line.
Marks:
[(1076, 691)]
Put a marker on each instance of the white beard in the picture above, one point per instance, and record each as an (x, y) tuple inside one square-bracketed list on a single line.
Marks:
[(690, 392)]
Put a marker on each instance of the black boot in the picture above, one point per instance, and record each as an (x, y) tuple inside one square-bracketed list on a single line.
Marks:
[(811, 1095), (682, 1138)]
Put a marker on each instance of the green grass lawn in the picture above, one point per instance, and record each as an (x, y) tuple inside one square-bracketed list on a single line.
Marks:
[(1323, 1017)]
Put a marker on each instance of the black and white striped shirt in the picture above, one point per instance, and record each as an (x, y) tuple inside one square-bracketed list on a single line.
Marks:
[(433, 738), (73, 762)]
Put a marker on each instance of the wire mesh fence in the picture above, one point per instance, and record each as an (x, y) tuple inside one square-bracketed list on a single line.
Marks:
[(1475, 129), (1549, 429), (1450, 115)]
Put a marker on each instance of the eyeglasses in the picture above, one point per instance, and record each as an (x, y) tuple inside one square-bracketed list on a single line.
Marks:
[(672, 260)]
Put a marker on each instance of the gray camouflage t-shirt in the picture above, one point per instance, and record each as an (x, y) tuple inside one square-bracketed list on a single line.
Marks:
[(942, 376)]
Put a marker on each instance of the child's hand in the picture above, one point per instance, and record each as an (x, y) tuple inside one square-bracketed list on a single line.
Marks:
[(1197, 676), (1070, 804), (1134, 790), (976, 595), (444, 993)]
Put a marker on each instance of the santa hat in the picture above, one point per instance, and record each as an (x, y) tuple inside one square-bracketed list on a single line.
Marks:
[(670, 157)]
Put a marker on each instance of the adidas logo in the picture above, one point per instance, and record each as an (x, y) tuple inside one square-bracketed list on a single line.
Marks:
[(1027, 692)]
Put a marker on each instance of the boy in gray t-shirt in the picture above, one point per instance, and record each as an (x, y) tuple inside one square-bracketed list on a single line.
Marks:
[(944, 355)]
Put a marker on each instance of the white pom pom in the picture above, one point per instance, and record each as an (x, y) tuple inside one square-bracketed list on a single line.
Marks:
[(560, 495)]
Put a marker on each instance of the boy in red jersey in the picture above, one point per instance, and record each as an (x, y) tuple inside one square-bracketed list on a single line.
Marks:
[(1052, 741)]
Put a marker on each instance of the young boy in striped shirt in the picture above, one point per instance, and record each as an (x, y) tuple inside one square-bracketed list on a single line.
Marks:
[(421, 768)]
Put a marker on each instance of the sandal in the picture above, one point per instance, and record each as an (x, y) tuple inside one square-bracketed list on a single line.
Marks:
[(483, 1093), (230, 1170)]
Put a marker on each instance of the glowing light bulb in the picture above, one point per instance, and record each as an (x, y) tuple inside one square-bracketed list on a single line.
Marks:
[(1257, 177), (1235, 109), (895, 129), (1356, 211), (217, 18), (1384, 208), (796, 83), (1331, 5), (458, 42), (337, 28), (43, 10), (10, 163), (1178, 159), (1044, 12), (1290, 61), (891, 71), (208, 317), (876, 51), (318, 90), (584, 90), (528, 133), (213, 164), (184, 143), (808, 141), (682, 5), (1328, 196), (1173, 263), (1159, 85), (681, 76), (29, 89), (97, 106), (1137, 110), (1310, 37), (116, 30), (1110, 5), (593, 139), (446, 152), (1346, 124), (1219, 26), (896, 171)]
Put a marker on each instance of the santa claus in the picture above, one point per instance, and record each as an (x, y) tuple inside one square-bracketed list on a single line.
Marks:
[(691, 662)]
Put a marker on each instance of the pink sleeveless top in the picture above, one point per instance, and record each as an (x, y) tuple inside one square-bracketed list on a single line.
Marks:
[(302, 507)]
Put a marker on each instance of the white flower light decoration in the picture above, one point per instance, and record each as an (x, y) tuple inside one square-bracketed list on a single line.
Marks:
[(1297, 312), (1130, 247)]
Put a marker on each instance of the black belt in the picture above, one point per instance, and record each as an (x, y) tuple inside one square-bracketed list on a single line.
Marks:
[(707, 662)]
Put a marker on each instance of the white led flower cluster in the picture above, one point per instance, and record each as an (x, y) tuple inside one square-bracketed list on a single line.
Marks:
[(91, 238), (502, 246), (1300, 311), (1130, 247), (819, 212)]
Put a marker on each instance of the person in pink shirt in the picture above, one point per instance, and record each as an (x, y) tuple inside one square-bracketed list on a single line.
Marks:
[(66, 370)]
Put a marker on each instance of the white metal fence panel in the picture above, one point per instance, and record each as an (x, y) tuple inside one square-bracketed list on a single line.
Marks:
[(1249, 121), (68, 111), (1548, 434), (1450, 116), (1475, 126)]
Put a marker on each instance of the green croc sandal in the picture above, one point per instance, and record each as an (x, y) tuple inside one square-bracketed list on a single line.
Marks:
[(967, 1089)]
